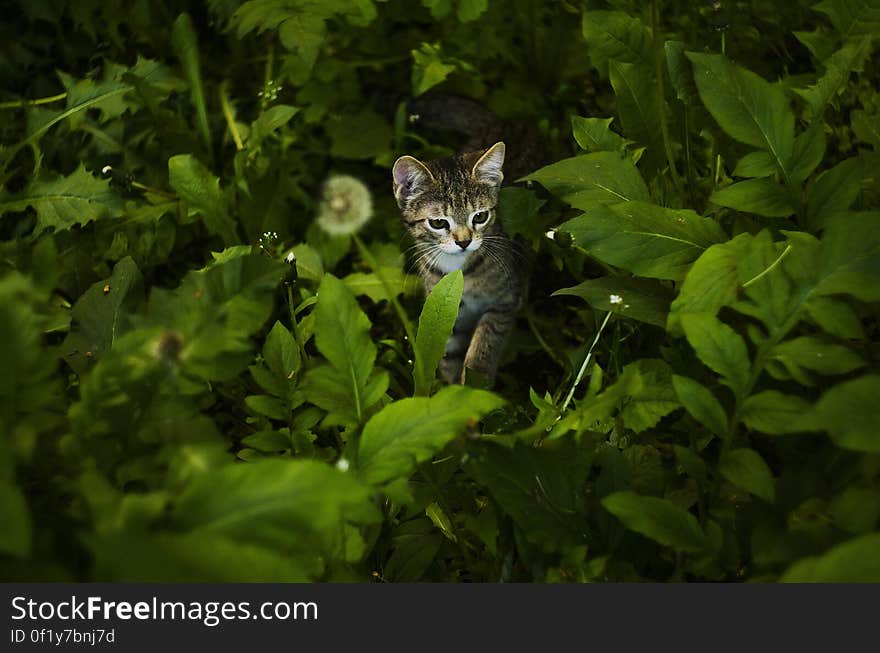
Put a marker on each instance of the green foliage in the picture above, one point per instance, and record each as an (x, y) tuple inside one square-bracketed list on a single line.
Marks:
[(200, 384)]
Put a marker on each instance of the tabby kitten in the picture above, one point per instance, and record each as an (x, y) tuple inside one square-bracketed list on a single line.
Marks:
[(448, 207)]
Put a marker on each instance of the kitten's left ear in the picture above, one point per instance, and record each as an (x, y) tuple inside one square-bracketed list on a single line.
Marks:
[(487, 169)]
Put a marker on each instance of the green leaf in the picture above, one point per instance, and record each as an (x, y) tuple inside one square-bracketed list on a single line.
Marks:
[(132, 557), (377, 288), (99, 315), (850, 257), (759, 196), (835, 316), (773, 412), (646, 239), (268, 405), (852, 17), (360, 136), (429, 68), (809, 148), (848, 412), (701, 404), (66, 202), (411, 431), (269, 121), (854, 561), (838, 68), (748, 108), (276, 503), (615, 35), (712, 280), (659, 519), (469, 10), (746, 469), (834, 191), (641, 299), (200, 189), (680, 74), (755, 164), (15, 539), (541, 488), (435, 326), (342, 335), (186, 47), (308, 263), (595, 135), (589, 180), (813, 354), (639, 107), (719, 347)]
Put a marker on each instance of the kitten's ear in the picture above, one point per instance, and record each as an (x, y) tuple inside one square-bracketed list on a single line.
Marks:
[(487, 169), (410, 176)]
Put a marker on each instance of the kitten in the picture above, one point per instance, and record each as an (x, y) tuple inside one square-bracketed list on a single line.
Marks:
[(448, 207)]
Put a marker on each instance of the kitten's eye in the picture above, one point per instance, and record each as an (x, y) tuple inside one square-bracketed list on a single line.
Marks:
[(438, 224), (480, 217)]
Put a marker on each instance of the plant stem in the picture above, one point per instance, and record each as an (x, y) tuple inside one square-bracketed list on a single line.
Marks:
[(20, 104), (392, 297), (230, 119), (769, 268), (587, 358), (661, 96), (294, 326)]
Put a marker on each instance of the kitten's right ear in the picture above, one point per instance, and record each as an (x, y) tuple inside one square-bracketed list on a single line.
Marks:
[(411, 177)]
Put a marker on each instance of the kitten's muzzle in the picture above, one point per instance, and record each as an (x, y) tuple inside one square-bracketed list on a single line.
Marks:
[(463, 243)]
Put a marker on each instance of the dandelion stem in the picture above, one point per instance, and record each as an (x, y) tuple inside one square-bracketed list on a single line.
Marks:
[(230, 119), (18, 104), (587, 358), (769, 268)]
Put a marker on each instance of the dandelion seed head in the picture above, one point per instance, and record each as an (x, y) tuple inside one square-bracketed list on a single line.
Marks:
[(346, 205)]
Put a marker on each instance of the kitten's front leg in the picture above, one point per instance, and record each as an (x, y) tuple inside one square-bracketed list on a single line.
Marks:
[(453, 360), (487, 344)]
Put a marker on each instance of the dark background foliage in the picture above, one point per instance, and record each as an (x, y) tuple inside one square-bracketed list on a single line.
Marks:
[(690, 393)]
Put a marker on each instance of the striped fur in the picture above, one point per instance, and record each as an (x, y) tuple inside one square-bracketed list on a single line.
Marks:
[(448, 207)]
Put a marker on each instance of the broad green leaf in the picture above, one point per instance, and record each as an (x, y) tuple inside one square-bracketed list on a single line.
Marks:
[(838, 68), (856, 510), (746, 468), (748, 108), (835, 190), (590, 180), (615, 35), (411, 431), (308, 263), (836, 317), (269, 121), (638, 107), (595, 135), (186, 47), (393, 281), (848, 412), (641, 299), (759, 163), (659, 519), (100, 313), (712, 280), (430, 68), (679, 69), (850, 256), (701, 404), (280, 353), (435, 326), (719, 347), (469, 10), (854, 561), (342, 334), (16, 536), (852, 17), (200, 189), (759, 196), (773, 412), (809, 148), (645, 239), (65, 202), (541, 488), (277, 503), (190, 557), (519, 210), (692, 464), (818, 356), (416, 544)]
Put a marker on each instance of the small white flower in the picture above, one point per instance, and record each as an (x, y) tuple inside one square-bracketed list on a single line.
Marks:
[(290, 258), (615, 299), (551, 234), (106, 170), (342, 465)]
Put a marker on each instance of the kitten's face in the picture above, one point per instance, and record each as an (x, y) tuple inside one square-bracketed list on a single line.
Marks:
[(449, 205)]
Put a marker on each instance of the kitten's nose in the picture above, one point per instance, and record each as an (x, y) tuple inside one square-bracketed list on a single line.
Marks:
[(463, 243)]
